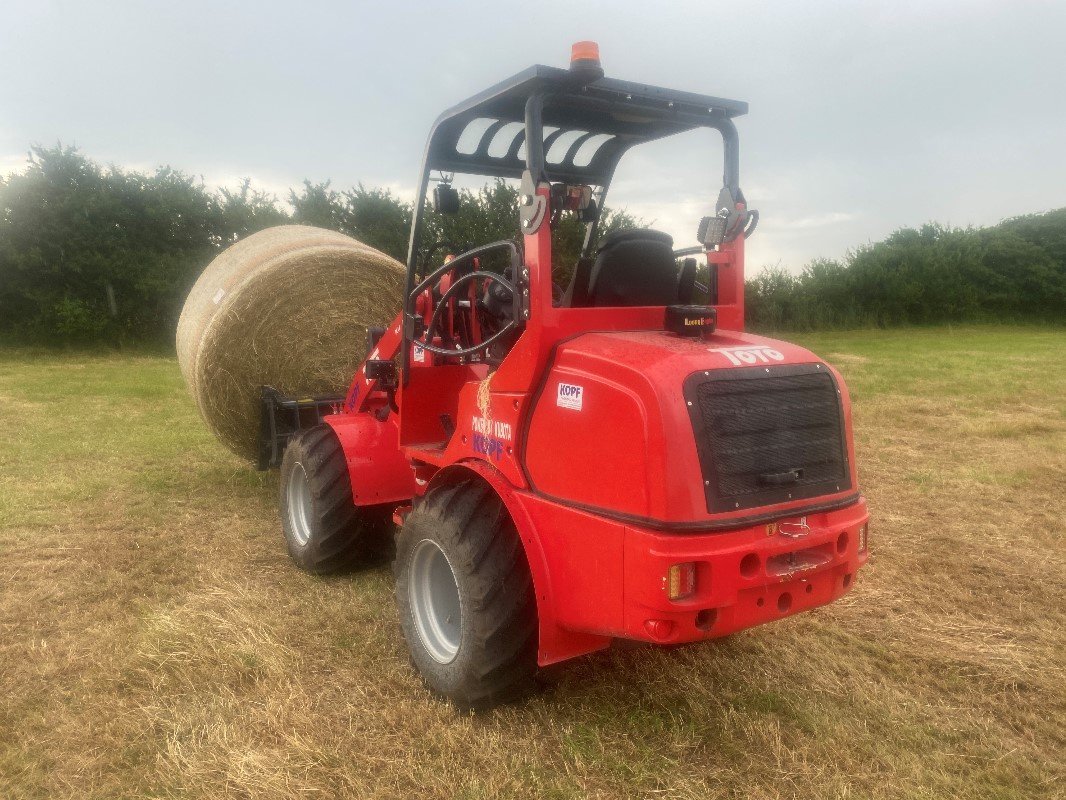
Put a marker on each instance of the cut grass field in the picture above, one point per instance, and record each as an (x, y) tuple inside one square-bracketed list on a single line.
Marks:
[(156, 641)]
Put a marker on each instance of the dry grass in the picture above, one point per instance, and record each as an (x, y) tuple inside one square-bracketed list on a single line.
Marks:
[(154, 640)]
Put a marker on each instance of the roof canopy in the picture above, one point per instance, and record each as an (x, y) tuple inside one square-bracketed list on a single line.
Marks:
[(586, 127)]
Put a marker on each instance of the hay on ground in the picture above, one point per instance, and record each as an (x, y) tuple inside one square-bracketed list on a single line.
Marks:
[(286, 307)]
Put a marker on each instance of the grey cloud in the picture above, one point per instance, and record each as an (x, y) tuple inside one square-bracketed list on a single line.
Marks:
[(864, 117)]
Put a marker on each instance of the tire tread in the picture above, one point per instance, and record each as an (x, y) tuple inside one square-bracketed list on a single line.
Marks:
[(340, 530), (499, 587)]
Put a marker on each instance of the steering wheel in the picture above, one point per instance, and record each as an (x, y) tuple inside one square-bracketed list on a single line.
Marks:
[(426, 340)]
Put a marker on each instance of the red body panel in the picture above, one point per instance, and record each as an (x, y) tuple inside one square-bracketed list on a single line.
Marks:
[(606, 491), (379, 471), (557, 639), (598, 579), (614, 493), (634, 427), (744, 577), (609, 578)]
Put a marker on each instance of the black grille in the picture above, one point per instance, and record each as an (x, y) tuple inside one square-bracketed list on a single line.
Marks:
[(768, 435)]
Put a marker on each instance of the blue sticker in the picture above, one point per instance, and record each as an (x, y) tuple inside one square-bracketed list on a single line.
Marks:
[(487, 446)]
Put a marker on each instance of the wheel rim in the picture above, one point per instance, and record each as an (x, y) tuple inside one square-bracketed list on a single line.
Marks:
[(298, 497), (435, 603)]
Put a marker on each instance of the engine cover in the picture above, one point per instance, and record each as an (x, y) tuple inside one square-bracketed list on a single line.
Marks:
[(676, 433)]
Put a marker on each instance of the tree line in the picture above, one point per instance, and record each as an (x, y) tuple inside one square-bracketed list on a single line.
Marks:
[(101, 254), (1011, 272)]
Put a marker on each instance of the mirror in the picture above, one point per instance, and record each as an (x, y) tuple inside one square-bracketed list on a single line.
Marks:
[(445, 199)]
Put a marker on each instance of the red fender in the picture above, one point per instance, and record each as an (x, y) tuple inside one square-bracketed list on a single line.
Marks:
[(554, 642), (378, 469)]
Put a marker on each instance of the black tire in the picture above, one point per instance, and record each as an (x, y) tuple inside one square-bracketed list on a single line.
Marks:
[(324, 530), (496, 656)]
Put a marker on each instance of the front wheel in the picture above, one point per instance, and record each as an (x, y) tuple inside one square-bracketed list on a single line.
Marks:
[(465, 597), (324, 530)]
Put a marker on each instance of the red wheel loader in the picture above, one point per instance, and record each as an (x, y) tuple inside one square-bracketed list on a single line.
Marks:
[(571, 465)]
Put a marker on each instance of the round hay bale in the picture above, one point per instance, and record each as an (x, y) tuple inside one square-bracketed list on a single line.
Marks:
[(287, 307)]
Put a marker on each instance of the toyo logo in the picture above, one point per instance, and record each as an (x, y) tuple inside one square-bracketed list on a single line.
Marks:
[(752, 354)]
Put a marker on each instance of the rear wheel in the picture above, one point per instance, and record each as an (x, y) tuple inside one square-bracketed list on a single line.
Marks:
[(324, 530), (465, 597)]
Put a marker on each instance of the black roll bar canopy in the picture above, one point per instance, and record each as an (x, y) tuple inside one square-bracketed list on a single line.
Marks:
[(598, 121), (628, 113)]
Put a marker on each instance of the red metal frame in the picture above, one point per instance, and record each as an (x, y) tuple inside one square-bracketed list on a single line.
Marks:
[(608, 497)]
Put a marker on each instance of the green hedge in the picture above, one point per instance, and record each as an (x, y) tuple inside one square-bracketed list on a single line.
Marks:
[(102, 255), (90, 254), (1014, 271)]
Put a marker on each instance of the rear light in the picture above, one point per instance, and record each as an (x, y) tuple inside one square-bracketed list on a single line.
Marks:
[(862, 536), (681, 581), (659, 628)]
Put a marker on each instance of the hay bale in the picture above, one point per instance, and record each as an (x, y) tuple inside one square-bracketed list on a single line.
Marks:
[(287, 307)]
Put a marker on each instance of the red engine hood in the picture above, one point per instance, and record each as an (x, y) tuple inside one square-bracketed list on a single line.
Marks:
[(665, 354), (610, 429)]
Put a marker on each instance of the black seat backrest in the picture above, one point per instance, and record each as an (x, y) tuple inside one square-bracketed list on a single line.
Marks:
[(686, 282), (634, 267)]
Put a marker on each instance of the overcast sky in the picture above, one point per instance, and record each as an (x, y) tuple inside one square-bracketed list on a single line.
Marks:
[(864, 117)]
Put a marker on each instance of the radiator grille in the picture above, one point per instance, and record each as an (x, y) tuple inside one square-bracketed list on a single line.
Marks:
[(768, 437)]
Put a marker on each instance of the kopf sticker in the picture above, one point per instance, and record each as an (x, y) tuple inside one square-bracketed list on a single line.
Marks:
[(570, 396)]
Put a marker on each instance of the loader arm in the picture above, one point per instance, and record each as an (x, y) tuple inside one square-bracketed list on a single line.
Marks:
[(363, 384)]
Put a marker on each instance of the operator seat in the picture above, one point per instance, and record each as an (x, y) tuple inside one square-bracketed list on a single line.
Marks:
[(633, 267)]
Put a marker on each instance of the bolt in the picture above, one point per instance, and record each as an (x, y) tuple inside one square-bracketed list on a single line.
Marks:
[(527, 200), (527, 223), (690, 402)]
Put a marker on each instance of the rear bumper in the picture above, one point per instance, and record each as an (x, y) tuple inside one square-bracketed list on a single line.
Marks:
[(743, 578), (599, 579)]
